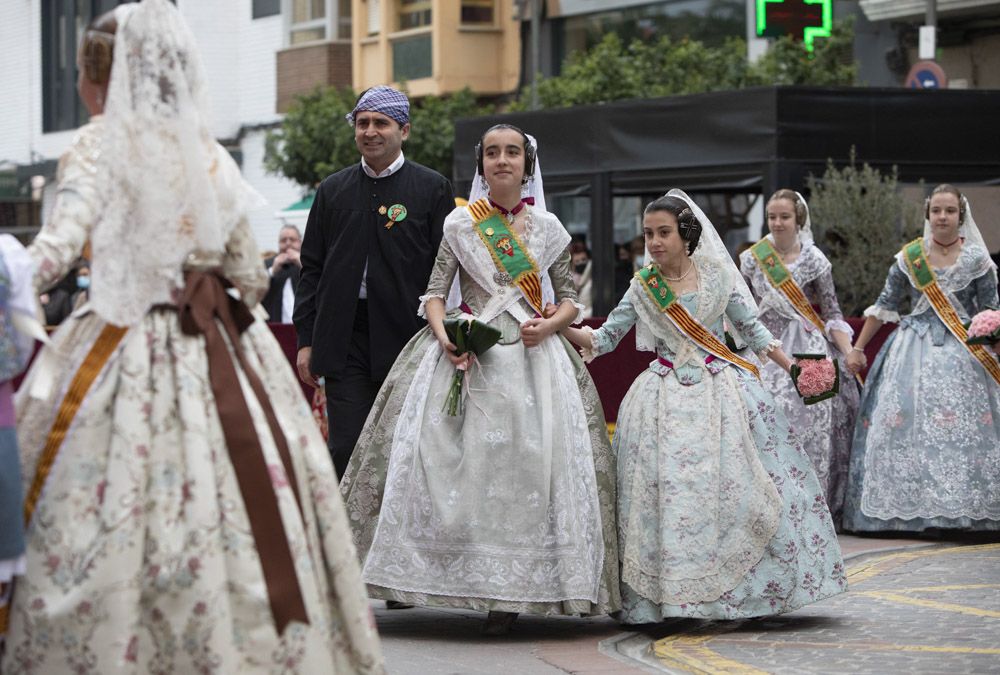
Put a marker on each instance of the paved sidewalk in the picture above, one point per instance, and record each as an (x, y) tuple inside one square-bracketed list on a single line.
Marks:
[(868, 629), (917, 610)]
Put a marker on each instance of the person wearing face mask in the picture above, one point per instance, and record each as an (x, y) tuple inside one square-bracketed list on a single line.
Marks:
[(581, 276), (716, 499), (926, 451), (788, 276)]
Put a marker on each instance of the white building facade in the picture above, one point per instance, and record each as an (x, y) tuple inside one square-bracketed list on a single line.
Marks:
[(39, 111)]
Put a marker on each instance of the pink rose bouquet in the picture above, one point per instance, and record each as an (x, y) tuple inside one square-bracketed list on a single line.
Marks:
[(816, 377), (984, 329)]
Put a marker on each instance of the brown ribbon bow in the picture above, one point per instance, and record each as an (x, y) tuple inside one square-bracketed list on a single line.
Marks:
[(205, 304)]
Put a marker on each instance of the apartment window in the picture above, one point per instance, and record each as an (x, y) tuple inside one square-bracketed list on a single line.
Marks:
[(374, 17), (63, 23), (264, 8), (308, 21), (319, 20), (414, 14), (477, 12)]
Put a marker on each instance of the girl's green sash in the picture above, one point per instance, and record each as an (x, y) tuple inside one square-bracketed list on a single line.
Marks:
[(663, 297), (515, 266), (926, 282)]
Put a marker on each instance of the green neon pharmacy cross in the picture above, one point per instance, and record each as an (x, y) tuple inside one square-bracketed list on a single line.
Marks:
[(805, 19)]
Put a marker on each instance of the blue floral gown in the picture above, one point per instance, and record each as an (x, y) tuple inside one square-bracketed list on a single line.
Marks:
[(720, 513), (926, 448)]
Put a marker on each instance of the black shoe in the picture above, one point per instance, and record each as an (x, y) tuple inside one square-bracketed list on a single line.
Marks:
[(498, 623), (396, 604)]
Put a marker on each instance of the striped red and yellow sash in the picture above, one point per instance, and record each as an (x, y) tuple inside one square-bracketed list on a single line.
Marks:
[(926, 282), (774, 269), (510, 255), (666, 301)]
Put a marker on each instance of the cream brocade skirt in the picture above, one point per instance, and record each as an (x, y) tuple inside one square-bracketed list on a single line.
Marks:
[(140, 553)]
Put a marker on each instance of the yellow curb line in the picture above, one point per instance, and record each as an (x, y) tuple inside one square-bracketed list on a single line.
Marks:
[(931, 604), (875, 567)]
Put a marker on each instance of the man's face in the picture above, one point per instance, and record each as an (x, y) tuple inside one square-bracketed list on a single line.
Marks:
[(379, 138), (289, 238)]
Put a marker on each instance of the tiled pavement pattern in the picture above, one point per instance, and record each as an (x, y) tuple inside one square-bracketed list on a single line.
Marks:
[(919, 611), (889, 622)]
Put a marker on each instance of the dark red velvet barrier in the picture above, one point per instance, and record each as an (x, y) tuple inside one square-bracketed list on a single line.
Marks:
[(613, 373)]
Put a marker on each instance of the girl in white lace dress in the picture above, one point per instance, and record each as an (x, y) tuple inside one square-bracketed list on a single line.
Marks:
[(508, 507), (720, 515), (183, 509)]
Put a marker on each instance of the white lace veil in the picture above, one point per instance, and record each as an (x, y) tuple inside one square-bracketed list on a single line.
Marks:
[(710, 248), (168, 189), (534, 189), (969, 231)]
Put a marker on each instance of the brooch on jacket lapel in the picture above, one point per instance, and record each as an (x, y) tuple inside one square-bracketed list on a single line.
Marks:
[(396, 213)]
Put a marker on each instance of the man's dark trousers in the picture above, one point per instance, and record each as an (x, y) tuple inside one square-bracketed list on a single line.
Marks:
[(351, 394)]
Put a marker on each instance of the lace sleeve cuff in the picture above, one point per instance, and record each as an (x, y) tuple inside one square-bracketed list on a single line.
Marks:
[(579, 309), (882, 314), (422, 309), (841, 325), (762, 354), (589, 353)]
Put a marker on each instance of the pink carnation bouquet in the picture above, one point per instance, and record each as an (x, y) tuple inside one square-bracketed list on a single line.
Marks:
[(816, 377), (984, 329)]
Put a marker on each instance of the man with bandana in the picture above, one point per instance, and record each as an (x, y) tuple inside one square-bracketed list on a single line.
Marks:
[(370, 241)]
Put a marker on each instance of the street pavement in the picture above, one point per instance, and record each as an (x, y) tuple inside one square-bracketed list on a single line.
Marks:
[(914, 605)]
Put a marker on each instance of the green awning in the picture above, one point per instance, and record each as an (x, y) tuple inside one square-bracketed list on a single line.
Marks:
[(303, 204)]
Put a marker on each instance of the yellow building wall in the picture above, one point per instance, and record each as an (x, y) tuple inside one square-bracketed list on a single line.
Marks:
[(485, 59)]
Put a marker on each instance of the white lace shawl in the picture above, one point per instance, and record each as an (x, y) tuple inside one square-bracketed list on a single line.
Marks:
[(973, 262), (546, 242), (714, 287)]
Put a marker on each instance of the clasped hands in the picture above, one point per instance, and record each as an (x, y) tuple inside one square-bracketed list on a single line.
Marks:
[(533, 331)]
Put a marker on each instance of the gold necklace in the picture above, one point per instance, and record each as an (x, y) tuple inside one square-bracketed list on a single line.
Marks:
[(681, 277)]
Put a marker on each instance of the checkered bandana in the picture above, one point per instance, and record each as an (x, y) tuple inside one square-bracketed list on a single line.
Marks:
[(386, 100)]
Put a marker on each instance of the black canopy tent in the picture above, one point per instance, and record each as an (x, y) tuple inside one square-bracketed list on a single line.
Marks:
[(746, 141)]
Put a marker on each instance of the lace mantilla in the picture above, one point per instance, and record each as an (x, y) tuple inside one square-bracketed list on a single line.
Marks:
[(168, 187)]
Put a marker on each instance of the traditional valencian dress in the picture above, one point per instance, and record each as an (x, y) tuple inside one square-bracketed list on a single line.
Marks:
[(927, 441), (17, 296), (510, 505), (824, 429), (720, 514), (161, 538)]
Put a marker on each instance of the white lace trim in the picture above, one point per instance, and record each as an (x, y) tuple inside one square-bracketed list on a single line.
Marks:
[(764, 354), (422, 309), (838, 324), (579, 309), (588, 353), (882, 314)]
